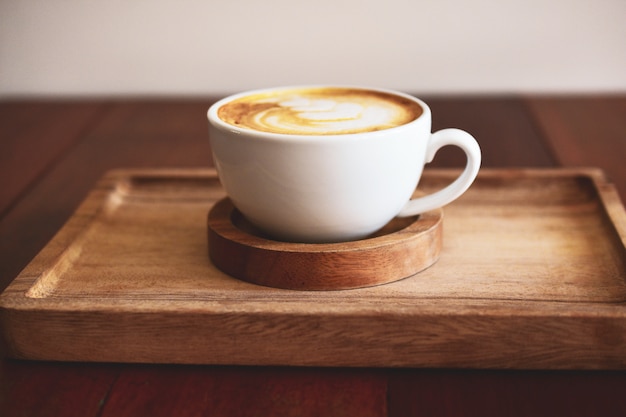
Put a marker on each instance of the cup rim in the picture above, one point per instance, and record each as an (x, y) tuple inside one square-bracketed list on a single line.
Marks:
[(218, 123)]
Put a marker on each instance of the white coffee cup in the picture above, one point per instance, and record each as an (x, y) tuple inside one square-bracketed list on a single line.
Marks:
[(332, 187)]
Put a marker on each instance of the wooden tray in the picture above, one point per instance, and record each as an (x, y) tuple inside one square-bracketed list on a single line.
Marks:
[(531, 275)]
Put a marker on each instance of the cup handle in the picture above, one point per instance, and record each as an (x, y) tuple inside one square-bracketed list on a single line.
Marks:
[(440, 198)]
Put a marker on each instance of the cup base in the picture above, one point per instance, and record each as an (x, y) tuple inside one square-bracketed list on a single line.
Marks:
[(404, 247)]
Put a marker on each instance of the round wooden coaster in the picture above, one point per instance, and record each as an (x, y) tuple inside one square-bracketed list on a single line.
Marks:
[(402, 248)]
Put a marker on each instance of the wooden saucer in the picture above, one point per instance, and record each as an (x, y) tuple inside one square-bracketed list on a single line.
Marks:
[(404, 247)]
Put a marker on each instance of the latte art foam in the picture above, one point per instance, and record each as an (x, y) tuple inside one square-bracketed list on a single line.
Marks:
[(319, 111)]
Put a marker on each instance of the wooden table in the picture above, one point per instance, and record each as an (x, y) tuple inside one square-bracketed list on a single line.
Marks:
[(53, 151)]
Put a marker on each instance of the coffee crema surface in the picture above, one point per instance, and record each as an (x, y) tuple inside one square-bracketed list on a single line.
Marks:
[(320, 111)]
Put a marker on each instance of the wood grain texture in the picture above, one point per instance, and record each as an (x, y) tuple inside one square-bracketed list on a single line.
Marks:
[(232, 391), (585, 131), (503, 128), (128, 134), (399, 250), (112, 390), (128, 278), (173, 133), (34, 135), (510, 136)]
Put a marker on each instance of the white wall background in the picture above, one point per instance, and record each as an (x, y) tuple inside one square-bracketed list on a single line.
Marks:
[(193, 47)]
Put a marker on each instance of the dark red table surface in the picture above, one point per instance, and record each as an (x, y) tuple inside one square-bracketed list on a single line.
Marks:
[(53, 151)]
